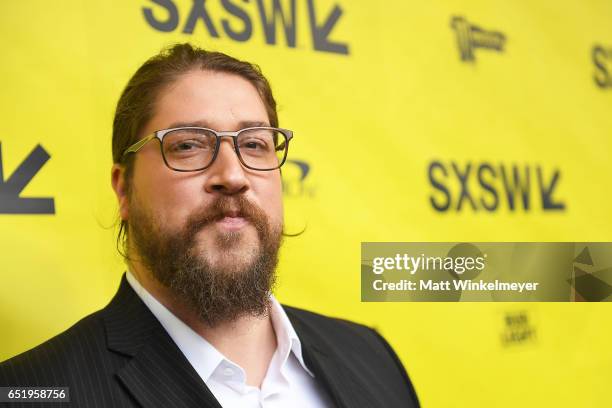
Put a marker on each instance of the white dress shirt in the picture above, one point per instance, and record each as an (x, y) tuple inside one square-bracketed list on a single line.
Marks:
[(288, 382)]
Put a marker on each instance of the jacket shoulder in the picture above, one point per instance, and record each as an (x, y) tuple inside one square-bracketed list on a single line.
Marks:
[(357, 345)]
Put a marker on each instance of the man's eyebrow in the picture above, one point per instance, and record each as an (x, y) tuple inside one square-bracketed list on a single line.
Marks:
[(203, 123)]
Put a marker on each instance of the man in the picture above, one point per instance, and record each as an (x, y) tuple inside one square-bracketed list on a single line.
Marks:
[(197, 152)]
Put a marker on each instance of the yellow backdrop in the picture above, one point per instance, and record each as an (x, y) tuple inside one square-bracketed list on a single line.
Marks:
[(414, 121)]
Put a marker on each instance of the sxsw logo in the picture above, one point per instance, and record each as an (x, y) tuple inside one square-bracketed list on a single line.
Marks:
[(479, 186), (239, 18), (602, 59), (471, 37)]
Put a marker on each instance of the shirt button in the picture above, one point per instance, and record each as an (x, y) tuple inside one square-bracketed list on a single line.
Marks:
[(228, 372)]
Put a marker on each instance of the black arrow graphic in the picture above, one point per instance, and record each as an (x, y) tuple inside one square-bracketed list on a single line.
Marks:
[(10, 202), (321, 32)]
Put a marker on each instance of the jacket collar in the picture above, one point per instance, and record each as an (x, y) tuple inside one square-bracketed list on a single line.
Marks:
[(158, 374), (343, 377)]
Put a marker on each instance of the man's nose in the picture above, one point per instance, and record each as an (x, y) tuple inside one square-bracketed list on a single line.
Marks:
[(226, 175)]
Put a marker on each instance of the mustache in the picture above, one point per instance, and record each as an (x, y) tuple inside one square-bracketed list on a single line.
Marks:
[(237, 206)]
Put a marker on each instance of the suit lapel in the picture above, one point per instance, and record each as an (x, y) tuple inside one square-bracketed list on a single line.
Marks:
[(160, 376), (157, 374), (344, 380)]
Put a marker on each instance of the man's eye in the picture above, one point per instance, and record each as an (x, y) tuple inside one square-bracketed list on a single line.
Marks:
[(187, 145), (254, 144)]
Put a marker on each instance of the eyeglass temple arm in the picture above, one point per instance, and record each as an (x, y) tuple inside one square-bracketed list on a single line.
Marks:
[(136, 146), (282, 146)]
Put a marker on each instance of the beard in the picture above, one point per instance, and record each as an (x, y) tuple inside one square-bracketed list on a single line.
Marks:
[(235, 283)]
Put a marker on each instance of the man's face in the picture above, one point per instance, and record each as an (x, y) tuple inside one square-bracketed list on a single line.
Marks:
[(215, 231)]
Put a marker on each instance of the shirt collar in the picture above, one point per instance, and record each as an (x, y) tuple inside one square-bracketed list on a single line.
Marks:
[(285, 334), (202, 355)]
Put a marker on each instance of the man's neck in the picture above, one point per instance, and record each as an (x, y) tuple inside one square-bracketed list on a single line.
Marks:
[(248, 341)]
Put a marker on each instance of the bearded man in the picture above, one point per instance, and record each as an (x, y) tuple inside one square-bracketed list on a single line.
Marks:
[(197, 152)]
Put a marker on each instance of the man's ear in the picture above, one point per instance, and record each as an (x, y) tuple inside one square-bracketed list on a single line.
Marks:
[(120, 187)]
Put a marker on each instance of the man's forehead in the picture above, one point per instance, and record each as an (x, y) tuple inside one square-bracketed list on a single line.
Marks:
[(219, 88), (210, 124), (217, 101)]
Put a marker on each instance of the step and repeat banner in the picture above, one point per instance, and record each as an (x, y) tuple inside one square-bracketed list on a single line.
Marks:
[(447, 121)]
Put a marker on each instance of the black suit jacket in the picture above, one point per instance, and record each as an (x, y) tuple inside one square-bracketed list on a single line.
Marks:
[(121, 356)]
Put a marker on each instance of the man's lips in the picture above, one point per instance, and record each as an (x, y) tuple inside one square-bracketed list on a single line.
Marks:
[(232, 223)]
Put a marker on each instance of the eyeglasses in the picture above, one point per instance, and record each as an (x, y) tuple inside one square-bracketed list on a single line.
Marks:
[(195, 148)]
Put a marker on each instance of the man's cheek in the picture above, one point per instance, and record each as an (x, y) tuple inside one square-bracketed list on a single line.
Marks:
[(174, 212)]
